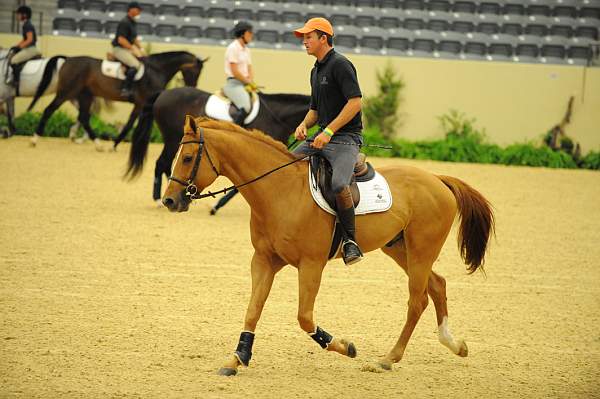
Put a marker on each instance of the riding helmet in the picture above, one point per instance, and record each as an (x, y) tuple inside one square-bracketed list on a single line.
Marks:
[(25, 11)]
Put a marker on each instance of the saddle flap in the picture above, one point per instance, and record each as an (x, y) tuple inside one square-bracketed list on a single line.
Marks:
[(116, 70), (217, 107)]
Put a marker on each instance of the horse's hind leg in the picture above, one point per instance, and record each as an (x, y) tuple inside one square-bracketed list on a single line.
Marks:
[(436, 288), (85, 100), (437, 291), (53, 106)]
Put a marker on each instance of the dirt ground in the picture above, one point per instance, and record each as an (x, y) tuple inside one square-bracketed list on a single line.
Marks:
[(102, 294)]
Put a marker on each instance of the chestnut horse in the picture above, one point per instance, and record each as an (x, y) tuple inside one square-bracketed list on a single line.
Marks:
[(412, 232)]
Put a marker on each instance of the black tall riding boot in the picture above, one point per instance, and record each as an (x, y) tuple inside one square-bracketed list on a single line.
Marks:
[(224, 200), (16, 70), (128, 82), (239, 117), (351, 253)]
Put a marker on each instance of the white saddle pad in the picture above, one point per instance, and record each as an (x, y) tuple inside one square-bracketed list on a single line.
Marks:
[(218, 108), (375, 195), (114, 69), (34, 67)]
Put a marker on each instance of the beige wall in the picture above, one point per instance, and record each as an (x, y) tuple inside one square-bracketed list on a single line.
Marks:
[(512, 102)]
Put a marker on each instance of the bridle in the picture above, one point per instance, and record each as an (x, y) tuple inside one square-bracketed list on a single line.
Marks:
[(191, 190)]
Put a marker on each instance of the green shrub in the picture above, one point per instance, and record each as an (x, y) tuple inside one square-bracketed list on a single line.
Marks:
[(528, 154), (381, 110), (591, 160), (58, 125)]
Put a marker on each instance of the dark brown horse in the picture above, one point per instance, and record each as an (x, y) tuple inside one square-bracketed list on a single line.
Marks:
[(81, 79), (278, 117)]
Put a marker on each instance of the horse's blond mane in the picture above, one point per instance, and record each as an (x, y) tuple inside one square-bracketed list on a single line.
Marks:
[(253, 133)]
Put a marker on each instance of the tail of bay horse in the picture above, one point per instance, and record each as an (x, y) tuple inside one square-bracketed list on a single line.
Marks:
[(412, 232)]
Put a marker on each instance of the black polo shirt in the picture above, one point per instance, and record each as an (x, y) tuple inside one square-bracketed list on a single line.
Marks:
[(28, 27), (128, 29), (333, 82)]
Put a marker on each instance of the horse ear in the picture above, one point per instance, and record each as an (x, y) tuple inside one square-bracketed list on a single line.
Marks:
[(189, 127)]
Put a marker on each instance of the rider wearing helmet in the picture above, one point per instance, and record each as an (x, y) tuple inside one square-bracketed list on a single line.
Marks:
[(238, 68), (127, 47), (335, 106), (25, 49)]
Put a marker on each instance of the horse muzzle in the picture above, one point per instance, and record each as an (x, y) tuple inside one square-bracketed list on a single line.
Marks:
[(180, 203)]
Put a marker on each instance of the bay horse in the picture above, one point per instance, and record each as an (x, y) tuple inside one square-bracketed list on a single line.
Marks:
[(278, 116), (81, 79), (412, 232)]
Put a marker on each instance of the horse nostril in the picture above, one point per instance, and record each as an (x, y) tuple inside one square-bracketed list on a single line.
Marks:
[(168, 202)]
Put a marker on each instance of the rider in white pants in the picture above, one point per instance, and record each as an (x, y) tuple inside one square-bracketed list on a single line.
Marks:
[(25, 49)]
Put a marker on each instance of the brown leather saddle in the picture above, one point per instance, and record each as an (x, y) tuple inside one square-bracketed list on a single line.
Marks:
[(321, 170)]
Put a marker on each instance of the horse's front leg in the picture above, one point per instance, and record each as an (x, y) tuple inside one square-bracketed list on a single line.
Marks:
[(263, 271), (309, 276)]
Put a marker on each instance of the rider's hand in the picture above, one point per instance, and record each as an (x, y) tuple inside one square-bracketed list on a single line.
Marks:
[(15, 49), (300, 133), (321, 141)]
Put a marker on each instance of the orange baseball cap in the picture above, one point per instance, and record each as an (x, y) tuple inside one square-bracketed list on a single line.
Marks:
[(315, 24)]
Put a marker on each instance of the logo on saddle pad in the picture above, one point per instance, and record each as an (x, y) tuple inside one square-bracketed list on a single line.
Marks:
[(115, 69), (217, 107), (375, 195)]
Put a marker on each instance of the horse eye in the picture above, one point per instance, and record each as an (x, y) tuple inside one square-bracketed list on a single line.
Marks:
[(187, 159)]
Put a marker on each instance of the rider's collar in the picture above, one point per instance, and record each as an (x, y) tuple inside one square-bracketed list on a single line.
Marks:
[(326, 58)]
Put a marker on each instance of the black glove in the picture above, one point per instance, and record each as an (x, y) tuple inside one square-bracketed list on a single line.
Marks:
[(15, 49)]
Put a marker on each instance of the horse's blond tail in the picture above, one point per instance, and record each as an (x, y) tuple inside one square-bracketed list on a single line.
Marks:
[(476, 222)]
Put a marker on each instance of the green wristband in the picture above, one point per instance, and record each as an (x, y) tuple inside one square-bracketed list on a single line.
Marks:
[(328, 132)]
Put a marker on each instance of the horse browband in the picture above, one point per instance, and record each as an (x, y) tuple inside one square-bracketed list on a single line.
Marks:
[(190, 188)]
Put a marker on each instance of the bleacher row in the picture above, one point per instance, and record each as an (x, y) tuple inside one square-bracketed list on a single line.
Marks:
[(548, 31)]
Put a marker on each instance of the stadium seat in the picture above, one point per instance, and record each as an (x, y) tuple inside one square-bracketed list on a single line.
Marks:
[(536, 30), (438, 5), (422, 45), (69, 4), (389, 22), (438, 25), (267, 35), (117, 6), (469, 7), (289, 38), (561, 30), (94, 5), (553, 52), (340, 19), (165, 30), (587, 31), (266, 15), (216, 11), (90, 26), (110, 27), (193, 11), (366, 3), (462, 26), (512, 29), (565, 11), (168, 9), (64, 24), (366, 17), (488, 7), (475, 48), (390, 4), (190, 31), (539, 9), (514, 8), (489, 28), (291, 16), (527, 50), (242, 14), (413, 5), (413, 24), (216, 33), (579, 52), (449, 47), (589, 12), (500, 50), (144, 28)]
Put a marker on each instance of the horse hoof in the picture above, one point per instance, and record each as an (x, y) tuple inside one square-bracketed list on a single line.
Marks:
[(351, 350), (213, 211), (463, 351), (159, 203), (372, 368), (227, 371)]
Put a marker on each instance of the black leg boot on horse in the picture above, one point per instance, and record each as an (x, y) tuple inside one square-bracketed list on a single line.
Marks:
[(222, 201), (351, 253), (126, 90)]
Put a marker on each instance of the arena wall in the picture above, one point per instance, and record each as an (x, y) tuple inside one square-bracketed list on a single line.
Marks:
[(513, 102)]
